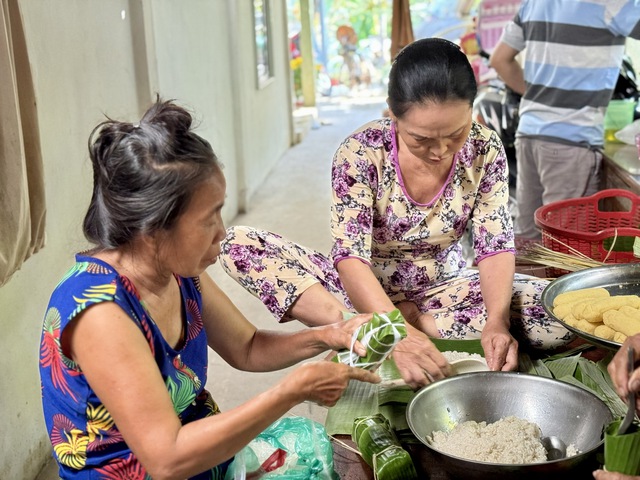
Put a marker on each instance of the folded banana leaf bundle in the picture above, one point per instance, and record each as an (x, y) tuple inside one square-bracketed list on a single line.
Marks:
[(378, 336), (381, 449), (622, 452)]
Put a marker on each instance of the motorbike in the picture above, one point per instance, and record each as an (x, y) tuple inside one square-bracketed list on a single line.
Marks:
[(496, 106), (627, 85)]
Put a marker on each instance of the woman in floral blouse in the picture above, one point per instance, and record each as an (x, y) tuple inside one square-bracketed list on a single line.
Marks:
[(405, 190), (123, 356)]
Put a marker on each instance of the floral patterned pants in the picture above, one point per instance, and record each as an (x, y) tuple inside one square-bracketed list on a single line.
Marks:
[(278, 271)]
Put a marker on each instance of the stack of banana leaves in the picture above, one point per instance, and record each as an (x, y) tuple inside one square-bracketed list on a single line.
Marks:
[(365, 399), (572, 367)]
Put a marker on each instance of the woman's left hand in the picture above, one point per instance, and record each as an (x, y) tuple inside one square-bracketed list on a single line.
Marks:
[(500, 348)]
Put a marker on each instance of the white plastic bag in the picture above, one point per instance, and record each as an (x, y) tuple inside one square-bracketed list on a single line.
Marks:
[(628, 133)]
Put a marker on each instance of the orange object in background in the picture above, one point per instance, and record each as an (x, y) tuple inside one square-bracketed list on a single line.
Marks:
[(469, 44), (346, 35)]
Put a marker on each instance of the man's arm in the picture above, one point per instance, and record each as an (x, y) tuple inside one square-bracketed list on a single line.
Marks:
[(503, 60)]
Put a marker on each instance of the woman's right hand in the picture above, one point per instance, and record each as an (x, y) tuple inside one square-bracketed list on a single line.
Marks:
[(419, 360), (500, 347), (618, 370), (323, 382)]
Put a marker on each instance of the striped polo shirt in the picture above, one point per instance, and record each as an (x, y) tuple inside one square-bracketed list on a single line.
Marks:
[(572, 59)]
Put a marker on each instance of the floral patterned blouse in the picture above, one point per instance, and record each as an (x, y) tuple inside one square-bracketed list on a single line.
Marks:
[(86, 442), (409, 245)]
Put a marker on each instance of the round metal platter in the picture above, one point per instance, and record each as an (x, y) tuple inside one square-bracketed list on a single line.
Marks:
[(618, 279)]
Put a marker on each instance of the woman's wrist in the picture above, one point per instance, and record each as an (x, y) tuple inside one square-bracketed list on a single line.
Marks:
[(501, 321), (410, 312)]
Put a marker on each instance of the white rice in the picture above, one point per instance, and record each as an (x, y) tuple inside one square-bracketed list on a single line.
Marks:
[(510, 440), (452, 356)]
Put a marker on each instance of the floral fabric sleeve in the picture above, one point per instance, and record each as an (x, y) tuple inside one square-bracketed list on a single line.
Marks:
[(492, 226), (354, 181)]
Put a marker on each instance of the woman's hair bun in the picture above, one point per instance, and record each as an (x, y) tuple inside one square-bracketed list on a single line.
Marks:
[(144, 173)]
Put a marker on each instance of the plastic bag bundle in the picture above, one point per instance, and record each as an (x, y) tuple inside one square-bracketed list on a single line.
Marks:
[(292, 448), (379, 336), (381, 449)]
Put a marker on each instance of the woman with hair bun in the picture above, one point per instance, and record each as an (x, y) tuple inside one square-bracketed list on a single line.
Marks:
[(405, 190), (123, 359)]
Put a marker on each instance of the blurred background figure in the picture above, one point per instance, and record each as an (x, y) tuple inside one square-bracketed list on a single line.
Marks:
[(572, 56), (354, 72)]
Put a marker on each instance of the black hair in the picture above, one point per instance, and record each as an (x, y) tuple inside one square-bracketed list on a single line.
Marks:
[(430, 70), (144, 174)]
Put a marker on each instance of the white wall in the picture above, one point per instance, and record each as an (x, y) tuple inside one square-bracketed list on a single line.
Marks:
[(197, 70), (95, 57), (266, 129)]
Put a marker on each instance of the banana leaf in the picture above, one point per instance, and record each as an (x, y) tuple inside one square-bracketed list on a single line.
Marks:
[(397, 415), (582, 372), (569, 353), (395, 395), (592, 376), (381, 449), (388, 370), (378, 336), (360, 399), (532, 367), (471, 345), (562, 367), (622, 452)]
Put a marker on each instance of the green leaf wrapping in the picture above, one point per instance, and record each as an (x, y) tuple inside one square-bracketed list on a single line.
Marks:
[(378, 336), (381, 449), (561, 367), (622, 452)]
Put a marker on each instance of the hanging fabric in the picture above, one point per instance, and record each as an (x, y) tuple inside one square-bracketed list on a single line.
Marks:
[(401, 28), (22, 195)]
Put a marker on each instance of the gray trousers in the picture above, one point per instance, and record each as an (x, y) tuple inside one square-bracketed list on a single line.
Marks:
[(548, 172)]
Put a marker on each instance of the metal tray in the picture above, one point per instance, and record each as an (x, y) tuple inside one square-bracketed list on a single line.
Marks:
[(619, 279)]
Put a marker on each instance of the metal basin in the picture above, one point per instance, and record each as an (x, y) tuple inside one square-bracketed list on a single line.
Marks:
[(570, 413), (621, 279)]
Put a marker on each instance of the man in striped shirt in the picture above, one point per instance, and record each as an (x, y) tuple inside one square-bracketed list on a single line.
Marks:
[(572, 52)]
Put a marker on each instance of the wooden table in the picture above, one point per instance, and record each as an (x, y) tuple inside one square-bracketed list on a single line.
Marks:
[(350, 466)]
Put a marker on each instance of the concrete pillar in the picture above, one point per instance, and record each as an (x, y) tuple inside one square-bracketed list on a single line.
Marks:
[(306, 51)]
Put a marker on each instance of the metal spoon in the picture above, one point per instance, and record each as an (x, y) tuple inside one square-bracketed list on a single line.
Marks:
[(556, 448), (631, 408)]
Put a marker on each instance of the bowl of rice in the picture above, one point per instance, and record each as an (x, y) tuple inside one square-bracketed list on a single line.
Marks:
[(491, 425)]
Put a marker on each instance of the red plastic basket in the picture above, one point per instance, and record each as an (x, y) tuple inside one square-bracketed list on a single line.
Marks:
[(579, 224)]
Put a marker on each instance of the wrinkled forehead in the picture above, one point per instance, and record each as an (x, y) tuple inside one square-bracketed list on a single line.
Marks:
[(436, 119)]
